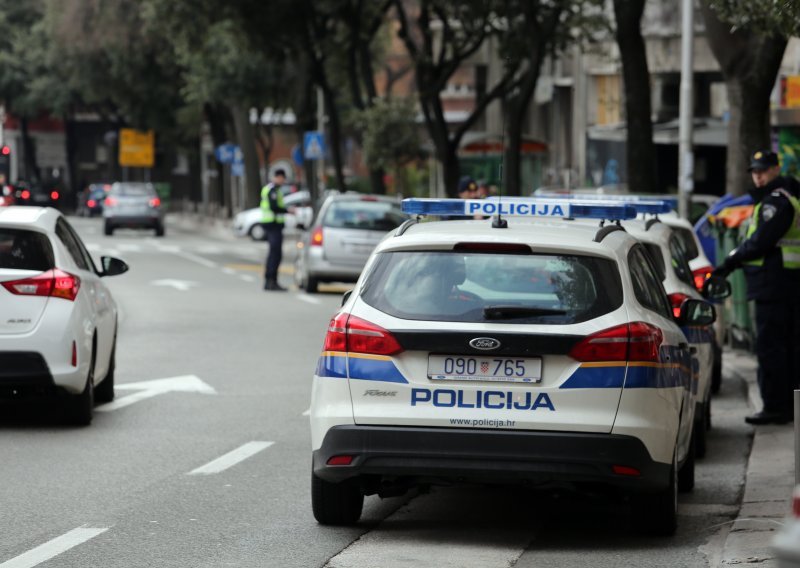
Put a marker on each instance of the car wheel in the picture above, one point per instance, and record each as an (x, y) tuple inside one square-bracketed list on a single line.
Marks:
[(105, 390), (686, 473), (716, 371), (657, 513), (708, 414), (108, 229), (160, 230), (80, 407), (700, 429), (257, 232), (336, 503), (311, 285)]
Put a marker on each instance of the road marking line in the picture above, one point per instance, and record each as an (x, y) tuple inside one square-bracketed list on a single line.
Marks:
[(307, 412), (247, 278), (48, 550), (228, 271), (198, 259), (307, 299), (245, 267), (127, 400), (231, 458)]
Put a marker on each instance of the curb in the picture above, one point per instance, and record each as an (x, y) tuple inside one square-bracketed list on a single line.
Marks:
[(769, 479)]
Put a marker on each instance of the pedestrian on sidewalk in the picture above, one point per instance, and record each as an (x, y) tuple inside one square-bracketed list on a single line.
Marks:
[(272, 217), (770, 257)]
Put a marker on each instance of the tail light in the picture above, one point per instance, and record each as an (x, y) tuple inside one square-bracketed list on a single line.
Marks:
[(110, 202), (637, 341), (25, 194), (54, 282), (700, 276), (155, 202), (316, 237), (796, 502), (676, 300), (91, 203), (74, 359), (54, 195), (355, 335)]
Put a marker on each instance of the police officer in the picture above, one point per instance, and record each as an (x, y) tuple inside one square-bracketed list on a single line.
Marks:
[(770, 256), (467, 189), (272, 217)]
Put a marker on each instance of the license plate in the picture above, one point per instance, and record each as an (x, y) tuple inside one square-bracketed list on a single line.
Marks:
[(492, 369)]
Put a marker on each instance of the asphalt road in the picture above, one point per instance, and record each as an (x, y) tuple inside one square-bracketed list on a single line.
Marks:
[(211, 467)]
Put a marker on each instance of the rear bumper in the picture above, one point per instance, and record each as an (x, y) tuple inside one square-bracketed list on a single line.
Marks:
[(25, 375), (323, 269), (447, 455), (133, 220)]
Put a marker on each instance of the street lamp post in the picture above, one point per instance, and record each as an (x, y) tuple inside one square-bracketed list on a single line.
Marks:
[(685, 152)]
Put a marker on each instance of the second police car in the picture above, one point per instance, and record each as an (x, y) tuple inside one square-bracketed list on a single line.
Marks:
[(506, 351)]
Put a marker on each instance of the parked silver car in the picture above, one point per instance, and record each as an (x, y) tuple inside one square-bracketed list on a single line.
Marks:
[(133, 205), (343, 235)]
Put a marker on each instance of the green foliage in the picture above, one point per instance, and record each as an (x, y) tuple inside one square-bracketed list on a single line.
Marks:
[(768, 17), (390, 133)]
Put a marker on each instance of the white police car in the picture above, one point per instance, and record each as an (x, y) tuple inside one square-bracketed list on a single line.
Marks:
[(669, 254), (472, 351)]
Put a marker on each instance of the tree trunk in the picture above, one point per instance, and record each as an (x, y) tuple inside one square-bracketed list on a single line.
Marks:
[(750, 64), (215, 115), (640, 149), (245, 134), (29, 149), (335, 143)]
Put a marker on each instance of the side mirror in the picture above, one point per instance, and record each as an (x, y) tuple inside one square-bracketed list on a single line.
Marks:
[(696, 312), (113, 266), (346, 296), (716, 288)]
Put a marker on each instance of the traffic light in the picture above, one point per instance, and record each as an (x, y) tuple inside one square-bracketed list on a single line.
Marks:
[(5, 164)]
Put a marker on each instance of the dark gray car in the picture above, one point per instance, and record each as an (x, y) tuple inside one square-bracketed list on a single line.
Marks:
[(133, 205)]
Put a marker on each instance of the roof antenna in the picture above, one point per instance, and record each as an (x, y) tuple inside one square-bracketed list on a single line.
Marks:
[(497, 221)]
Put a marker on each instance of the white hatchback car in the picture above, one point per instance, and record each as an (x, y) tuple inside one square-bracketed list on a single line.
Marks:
[(542, 352), (669, 254), (58, 328)]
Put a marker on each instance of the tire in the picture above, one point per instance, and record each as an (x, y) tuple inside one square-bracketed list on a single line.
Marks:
[(686, 473), (708, 414), (312, 285), (699, 434), (298, 274), (716, 371), (104, 392), (657, 513), (336, 503), (160, 230), (108, 229), (80, 407), (257, 232)]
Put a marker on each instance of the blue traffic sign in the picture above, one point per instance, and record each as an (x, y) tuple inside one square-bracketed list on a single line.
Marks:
[(313, 145), (226, 153), (237, 169)]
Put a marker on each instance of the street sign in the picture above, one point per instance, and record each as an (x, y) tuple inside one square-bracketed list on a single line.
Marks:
[(313, 145), (226, 153), (136, 148)]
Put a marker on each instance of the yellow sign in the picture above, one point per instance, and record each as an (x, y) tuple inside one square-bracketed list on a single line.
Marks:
[(136, 148), (793, 91)]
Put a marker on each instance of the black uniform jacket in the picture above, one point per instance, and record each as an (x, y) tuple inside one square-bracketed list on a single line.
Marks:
[(770, 281)]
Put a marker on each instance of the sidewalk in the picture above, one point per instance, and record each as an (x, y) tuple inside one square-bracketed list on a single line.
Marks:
[(768, 482)]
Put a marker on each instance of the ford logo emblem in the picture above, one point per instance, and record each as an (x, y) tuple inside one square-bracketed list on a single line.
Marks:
[(484, 343)]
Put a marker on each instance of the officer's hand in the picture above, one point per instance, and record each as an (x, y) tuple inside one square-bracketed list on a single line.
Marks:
[(721, 271)]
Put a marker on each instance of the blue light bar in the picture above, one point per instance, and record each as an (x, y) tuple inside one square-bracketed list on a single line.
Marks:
[(644, 203), (519, 207)]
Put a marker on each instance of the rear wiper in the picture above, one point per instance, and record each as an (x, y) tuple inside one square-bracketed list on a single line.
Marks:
[(507, 312)]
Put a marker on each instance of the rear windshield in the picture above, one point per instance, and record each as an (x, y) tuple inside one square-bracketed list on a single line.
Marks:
[(133, 190), (493, 287), (364, 215), (25, 250), (687, 241)]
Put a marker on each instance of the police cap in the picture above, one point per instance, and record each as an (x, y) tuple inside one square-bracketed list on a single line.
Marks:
[(466, 183), (763, 160)]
